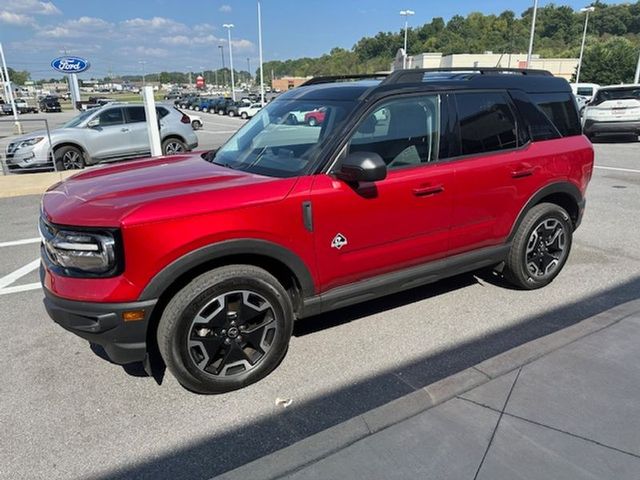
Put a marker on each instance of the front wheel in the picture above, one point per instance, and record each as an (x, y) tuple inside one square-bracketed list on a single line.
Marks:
[(232, 113), (540, 247), (69, 158), (244, 115), (172, 146), (227, 329)]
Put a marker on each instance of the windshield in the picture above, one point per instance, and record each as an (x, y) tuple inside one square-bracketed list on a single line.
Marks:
[(631, 93), (284, 137), (74, 122)]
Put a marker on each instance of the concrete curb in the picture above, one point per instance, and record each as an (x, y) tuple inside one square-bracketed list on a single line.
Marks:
[(338, 437), (30, 184)]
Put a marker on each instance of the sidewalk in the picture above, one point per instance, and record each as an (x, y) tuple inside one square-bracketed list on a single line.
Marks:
[(566, 406)]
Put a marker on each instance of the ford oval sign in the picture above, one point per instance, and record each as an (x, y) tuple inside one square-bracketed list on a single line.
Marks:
[(70, 64)]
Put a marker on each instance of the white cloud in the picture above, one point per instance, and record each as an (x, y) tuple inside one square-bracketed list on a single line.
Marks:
[(31, 7), (11, 18), (91, 27), (154, 24), (225, 9), (176, 40)]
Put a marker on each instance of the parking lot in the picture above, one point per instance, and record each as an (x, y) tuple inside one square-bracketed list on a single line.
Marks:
[(70, 414)]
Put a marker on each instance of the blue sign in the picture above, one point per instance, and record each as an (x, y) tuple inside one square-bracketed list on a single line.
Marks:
[(70, 64)]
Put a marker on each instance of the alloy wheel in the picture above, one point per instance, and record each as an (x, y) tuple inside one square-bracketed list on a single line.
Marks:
[(72, 160), (232, 333), (546, 247), (173, 147)]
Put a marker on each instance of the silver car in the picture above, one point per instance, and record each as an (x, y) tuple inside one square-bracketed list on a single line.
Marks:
[(113, 132), (614, 110)]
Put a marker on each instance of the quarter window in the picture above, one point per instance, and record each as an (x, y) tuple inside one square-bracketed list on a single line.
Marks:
[(487, 123), (404, 132), (113, 116), (561, 110)]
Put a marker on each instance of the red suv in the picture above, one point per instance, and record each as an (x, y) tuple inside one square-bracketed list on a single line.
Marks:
[(411, 177)]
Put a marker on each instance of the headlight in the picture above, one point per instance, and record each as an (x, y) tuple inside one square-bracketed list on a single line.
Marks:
[(79, 253), (29, 142)]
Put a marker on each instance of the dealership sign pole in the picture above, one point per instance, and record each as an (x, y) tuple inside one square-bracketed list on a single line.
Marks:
[(9, 91), (71, 66)]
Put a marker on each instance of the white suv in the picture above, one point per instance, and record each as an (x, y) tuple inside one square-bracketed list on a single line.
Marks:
[(614, 110), (113, 132)]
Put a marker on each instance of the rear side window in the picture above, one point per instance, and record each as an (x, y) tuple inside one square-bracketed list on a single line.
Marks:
[(560, 108), (135, 114), (487, 123)]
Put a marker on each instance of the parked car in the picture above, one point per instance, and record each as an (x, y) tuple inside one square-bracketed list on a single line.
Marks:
[(49, 104), (196, 121), (5, 108), (22, 106), (222, 106), (207, 104), (113, 132), (585, 90), (233, 108), (315, 117), (189, 100), (211, 258), (249, 111), (173, 95), (614, 110)]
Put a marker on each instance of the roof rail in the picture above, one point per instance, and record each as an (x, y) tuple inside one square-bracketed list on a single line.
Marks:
[(340, 78), (417, 75)]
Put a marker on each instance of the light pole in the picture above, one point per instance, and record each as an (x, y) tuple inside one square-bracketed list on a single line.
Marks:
[(189, 67), (584, 38), (636, 79), (224, 75), (406, 14), (249, 68), (260, 52), (229, 26), (143, 63), (533, 31)]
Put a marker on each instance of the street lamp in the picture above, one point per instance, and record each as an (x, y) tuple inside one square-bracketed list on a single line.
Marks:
[(224, 75), (406, 14), (260, 51), (533, 31), (143, 63), (586, 10), (229, 26), (249, 68)]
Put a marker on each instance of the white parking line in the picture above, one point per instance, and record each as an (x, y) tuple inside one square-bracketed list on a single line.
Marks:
[(25, 241), (203, 130), (16, 274), (20, 288), (617, 169)]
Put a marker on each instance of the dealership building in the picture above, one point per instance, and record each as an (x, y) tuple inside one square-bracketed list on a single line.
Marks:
[(560, 67)]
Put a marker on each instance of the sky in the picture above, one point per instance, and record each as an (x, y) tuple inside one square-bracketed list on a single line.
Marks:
[(184, 35)]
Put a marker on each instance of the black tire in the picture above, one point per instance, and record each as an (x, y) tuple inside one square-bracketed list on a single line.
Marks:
[(182, 343), (220, 112), (172, 146), (244, 115), (232, 113), (196, 125), (312, 122), (526, 266), (69, 158)]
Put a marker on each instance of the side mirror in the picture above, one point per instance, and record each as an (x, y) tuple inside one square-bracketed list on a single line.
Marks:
[(362, 167), (93, 123)]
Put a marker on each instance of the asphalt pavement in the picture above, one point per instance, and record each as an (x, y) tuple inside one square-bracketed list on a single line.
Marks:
[(68, 414)]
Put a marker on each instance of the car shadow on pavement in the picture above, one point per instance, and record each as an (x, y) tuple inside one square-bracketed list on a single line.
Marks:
[(206, 458)]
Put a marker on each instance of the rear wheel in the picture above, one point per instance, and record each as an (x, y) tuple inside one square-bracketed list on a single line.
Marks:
[(244, 115), (69, 158), (171, 146), (540, 247), (227, 329), (220, 112), (196, 125), (232, 113), (312, 122)]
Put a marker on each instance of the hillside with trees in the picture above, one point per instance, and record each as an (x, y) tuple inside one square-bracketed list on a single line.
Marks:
[(613, 42)]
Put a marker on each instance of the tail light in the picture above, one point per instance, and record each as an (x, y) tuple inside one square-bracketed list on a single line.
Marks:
[(185, 119)]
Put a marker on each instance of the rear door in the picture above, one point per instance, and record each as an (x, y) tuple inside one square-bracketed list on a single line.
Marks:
[(496, 173), (136, 123)]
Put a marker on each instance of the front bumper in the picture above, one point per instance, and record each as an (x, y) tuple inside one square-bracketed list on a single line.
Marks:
[(102, 324), (592, 127)]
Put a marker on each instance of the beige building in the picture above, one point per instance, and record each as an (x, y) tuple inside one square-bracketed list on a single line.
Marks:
[(560, 67), (287, 83)]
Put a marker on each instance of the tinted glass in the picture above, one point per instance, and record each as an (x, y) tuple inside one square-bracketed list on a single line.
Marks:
[(136, 114), (162, 112), (487, 123), (404, 132), (617, 94), (584, 91), (113, 116), (560, 108)]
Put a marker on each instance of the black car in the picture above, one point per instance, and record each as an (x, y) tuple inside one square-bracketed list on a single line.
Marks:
[(223, 106), (232, 108), (188, 101), (49, 104)]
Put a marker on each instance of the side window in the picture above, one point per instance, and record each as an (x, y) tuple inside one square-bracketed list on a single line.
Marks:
[(113, 116), (161, 112), (560, 108), (539, 126), (404, 132), (487, 123), (135, 114)]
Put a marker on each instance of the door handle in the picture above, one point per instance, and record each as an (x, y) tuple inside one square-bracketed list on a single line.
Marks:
[(124, 129), (526, 172), (428, 190)]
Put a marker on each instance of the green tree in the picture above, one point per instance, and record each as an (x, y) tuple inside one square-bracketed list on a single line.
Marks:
[(18, 77), (609, 62)]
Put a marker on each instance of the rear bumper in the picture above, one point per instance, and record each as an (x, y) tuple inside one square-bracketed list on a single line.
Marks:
[(592, 127), (102, 324)]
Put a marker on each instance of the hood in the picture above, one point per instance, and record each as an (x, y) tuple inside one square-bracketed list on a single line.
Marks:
[(155, 189), (27, 136)]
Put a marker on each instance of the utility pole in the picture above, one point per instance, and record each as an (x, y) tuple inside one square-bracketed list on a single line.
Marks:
[(143, 63), (224, 74), (533, 31), (249, 68), (229, 26), (260, 51), (406, 14), (636, 79), (584, 38), (9, 90)]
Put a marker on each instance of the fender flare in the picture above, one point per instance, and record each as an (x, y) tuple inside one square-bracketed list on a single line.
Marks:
[(566, 188), (165, 277)]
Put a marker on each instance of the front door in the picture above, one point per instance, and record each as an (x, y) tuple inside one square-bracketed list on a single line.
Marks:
[(375, 228), (108, 138)]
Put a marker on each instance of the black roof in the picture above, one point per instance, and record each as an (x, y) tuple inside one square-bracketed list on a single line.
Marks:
[(351, 87)]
